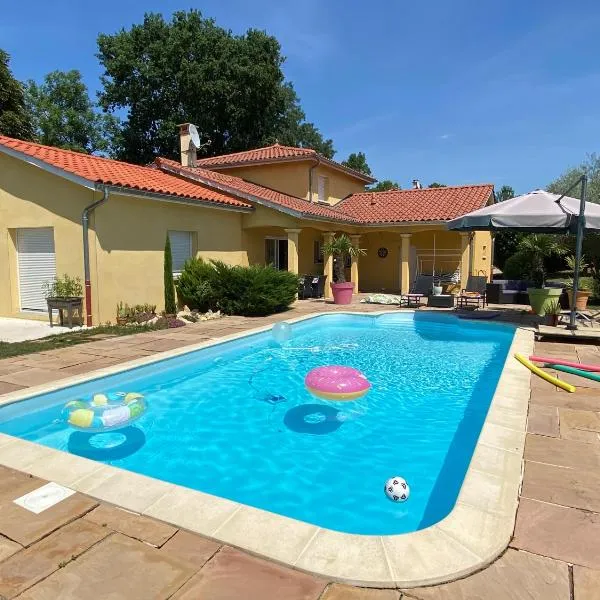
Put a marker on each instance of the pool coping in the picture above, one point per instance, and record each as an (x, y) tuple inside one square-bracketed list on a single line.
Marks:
[(473, 535)]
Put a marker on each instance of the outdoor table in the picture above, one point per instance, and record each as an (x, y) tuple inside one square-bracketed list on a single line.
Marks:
[(62, 304), (412, 300), (441, 301)]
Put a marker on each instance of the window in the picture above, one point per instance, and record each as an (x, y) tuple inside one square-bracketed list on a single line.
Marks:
[(318, 252), (323, 188), (276, 253), (181, 248)]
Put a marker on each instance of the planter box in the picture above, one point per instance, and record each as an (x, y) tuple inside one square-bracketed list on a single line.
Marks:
[(342, 292), (71, 305)]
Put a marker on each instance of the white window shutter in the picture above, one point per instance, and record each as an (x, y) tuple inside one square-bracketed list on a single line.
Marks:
[(36, 261), (181, 248)]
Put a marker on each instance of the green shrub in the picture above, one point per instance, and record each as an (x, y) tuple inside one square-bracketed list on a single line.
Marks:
[(518, 266), (63, 287), (235, 290)]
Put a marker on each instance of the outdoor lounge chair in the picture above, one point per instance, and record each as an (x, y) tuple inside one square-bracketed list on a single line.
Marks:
[(305, 289), (474, 295), (421, 288)]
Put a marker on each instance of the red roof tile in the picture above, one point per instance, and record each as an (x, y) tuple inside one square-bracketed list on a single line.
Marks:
[(276, 153), (430, 204), (232, 184), (96, 169)]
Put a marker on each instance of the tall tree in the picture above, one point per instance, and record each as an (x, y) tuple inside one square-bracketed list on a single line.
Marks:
[(63, 114), (435, 184), (231, 87), (590, 166), (384, 186), (358, 162), (15, 120), (506, 193)]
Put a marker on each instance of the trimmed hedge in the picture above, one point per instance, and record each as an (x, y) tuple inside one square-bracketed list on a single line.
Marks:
[(235, 290)]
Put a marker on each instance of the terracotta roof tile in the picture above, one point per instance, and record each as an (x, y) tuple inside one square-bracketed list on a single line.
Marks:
[(96, 169), (232, 184), (430, 204), (276, 153)]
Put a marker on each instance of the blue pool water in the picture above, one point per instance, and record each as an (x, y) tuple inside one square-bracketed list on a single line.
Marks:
[(235, 420)]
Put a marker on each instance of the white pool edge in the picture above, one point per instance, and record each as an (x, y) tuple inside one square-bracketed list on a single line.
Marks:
[(476, 531)]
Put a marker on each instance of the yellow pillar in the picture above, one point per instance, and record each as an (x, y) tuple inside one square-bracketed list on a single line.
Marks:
[(328, 266), (405, 263), (464, 259), (354, 265), (292, 236)]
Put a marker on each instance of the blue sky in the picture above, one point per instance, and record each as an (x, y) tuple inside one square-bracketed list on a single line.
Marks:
[(461, 91)]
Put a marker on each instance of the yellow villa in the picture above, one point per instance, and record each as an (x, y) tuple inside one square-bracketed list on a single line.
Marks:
[(105, 221)]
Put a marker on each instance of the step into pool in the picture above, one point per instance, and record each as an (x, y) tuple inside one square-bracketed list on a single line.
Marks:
[(235, 419)]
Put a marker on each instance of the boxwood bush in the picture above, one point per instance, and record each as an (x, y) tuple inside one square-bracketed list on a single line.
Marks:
[(235, 290)]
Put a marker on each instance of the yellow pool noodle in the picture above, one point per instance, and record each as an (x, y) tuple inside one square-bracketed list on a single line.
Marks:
[(553, 380)]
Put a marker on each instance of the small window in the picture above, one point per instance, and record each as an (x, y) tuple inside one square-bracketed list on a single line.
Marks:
[(323, 188), (318, 252), (181, 248)]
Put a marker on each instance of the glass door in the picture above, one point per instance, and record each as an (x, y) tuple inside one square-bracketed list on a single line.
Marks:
[(276, 253)]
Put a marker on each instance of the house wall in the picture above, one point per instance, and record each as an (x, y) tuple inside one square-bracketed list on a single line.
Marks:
[(127, 237), (292, 178)]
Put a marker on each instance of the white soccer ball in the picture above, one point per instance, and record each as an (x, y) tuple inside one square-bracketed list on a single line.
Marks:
[(396, 489)]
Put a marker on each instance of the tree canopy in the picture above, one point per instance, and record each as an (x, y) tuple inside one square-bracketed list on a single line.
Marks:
[(435, 184), (15, 120), (591, 166), (358, 162), (384, 186), (63, 114), (506, 193), (231, 87)]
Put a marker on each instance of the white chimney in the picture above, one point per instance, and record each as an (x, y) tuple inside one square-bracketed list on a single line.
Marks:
[(416, 184), (187, 147)]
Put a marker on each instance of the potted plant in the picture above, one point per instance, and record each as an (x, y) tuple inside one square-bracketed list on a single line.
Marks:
[(553, 310), (340, 247), (64, 293), (583, 289), (538, 247), (122, 311)]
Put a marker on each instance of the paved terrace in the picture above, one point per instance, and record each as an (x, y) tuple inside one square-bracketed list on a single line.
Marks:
[(81, 548)]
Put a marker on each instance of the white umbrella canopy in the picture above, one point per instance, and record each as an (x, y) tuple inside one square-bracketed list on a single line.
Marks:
[(536, 212)]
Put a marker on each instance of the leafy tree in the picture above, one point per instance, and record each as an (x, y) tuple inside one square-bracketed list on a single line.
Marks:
[(384, 186), (15, 120), (505, 193), (170, 306), (63, 114), (591, 166), (358, 162), (435, 184), (231, 87)]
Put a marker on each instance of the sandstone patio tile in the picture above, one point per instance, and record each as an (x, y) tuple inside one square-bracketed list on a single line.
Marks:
[(162, 345), (582, 399), (193, 549), (578, 488), (57, 361), (7, 368), (133, 525), (567, 534), (118, 567), (581, 425), (88, 367), (7, 388), (337, 591), (579, 382), (586, 583), (31, 376), (231, 574), (124, 353), (25, 527), (563, 453), (29, 566), (8, 548), (543, 420), (514, 576), (588, 354), (15, 483)]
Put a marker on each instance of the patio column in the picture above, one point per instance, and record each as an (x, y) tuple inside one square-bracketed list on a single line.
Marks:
[(328, 266), (405, 263), (354, 265), (465, 259), (292, 236)]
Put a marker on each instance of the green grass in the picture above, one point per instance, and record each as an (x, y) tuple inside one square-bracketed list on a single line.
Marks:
[(63, 340)]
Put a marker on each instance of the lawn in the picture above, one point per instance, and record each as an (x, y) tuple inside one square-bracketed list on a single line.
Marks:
[(63, 340)]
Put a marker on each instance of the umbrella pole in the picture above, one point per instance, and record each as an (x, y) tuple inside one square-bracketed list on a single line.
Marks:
[(578, 249)]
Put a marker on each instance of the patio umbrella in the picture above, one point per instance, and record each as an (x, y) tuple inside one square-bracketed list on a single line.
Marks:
[(539, 212)]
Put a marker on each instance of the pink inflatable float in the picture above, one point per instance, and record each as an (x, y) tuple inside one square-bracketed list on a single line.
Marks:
[(335, 382)]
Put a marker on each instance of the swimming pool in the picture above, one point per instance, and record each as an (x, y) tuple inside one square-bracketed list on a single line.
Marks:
[(235, 420)]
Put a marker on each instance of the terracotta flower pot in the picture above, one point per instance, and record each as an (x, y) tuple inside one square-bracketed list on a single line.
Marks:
[(342, 292), (582, 298)]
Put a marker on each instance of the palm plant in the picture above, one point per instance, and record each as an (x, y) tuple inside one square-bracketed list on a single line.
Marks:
[(538, 247), (340, 247)]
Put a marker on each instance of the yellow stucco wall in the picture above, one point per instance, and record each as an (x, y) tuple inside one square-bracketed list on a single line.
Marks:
[(292, 178)]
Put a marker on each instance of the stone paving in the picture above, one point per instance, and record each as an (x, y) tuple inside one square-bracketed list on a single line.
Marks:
[(81, 548)]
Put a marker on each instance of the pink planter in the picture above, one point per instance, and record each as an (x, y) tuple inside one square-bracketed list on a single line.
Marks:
[(342, 292)]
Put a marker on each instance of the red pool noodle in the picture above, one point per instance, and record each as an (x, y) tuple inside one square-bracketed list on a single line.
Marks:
[(566, 363)]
